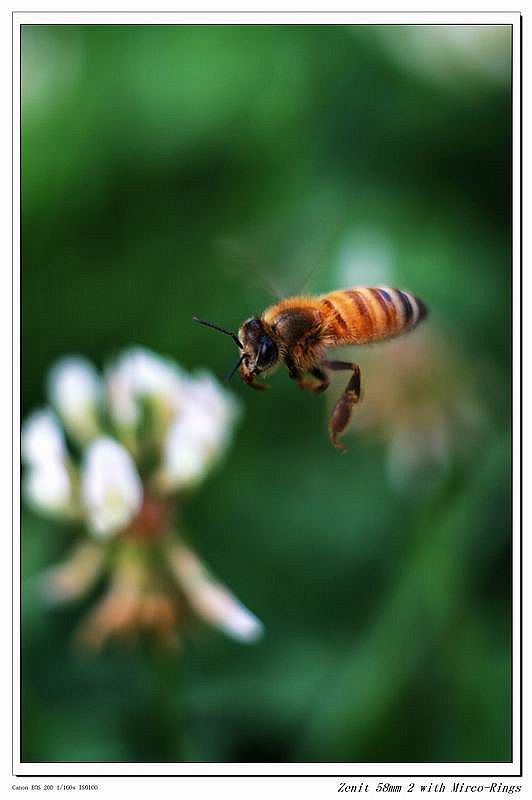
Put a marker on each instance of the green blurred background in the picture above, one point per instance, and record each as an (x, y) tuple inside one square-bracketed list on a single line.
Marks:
[(387, 611)]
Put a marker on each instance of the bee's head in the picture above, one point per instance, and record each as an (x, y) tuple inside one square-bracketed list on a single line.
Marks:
[(259, 351)]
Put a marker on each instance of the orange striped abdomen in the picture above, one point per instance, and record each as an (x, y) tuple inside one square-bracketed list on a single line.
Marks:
[(363, 315)]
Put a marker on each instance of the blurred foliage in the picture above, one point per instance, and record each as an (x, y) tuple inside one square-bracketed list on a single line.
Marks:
[(388, 615)]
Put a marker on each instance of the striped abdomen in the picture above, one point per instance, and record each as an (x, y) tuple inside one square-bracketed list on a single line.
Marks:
[(362, 315)]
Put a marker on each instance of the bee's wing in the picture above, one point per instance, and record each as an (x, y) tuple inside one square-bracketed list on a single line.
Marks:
[(241, 265), (311, 248), (290, 266)]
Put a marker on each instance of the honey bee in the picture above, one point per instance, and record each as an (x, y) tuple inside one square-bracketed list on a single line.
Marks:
[(300, 330)]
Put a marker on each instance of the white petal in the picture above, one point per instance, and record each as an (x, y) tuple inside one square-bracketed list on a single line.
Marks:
[(42, 439), (185, 461), (139, 374), (110, 486), (48, 487), (74, 389), (200, 434), (213, 399), (212, 601), (233, 617)]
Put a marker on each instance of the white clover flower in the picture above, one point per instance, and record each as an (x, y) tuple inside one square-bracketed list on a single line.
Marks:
[(110, 486), (186, 425), (140, 375), (42, 439), (200, 434), (74, 389)]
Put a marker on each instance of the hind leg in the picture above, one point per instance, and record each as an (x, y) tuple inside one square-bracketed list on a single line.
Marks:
[(341, 413)]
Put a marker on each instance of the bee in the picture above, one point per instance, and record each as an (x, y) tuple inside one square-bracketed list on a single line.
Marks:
[(299, 331)]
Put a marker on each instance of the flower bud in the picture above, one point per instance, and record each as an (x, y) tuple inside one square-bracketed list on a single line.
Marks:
[(110, 487)]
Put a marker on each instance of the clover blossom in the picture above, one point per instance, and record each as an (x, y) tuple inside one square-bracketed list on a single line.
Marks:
[(131, 445)]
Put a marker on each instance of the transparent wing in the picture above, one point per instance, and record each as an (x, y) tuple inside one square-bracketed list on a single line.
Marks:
[(295, 258)]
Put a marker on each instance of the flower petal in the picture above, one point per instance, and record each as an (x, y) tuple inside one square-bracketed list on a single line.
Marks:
[(48, 488), (74, 577), (74, 389), (42, 439), (212, 601), (110, 486), (200, 434), (138, 375)]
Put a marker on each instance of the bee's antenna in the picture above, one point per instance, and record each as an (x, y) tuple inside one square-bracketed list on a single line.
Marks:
[(233, 336), (232, 372)]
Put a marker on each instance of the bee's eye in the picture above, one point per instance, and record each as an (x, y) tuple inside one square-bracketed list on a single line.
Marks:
[(267, 354)]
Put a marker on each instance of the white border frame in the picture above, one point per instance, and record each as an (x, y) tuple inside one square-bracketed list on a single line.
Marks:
[(333, 769)]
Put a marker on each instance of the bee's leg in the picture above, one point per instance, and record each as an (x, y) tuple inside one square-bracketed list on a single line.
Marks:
[(308, 386), (323, 379), (341, 413), (260, 387)]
